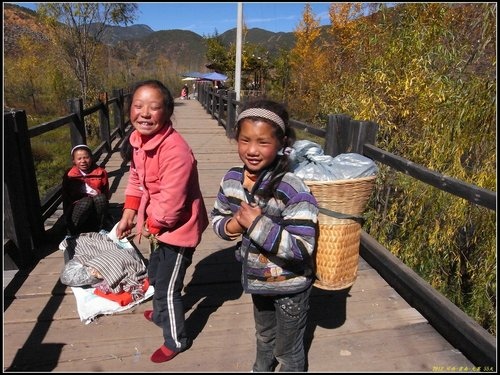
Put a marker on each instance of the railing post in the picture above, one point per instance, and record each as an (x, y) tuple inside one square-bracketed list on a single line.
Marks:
[(337, 134), (367, 134), (119, 113), (203, 95), (208, 99), (23, 213), (214, 102), (199, 90), (77, 129), (104, 128), (344, 135), (220, 101), (231, 114)]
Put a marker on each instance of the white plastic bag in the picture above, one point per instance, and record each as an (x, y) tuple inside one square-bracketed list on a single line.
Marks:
[(311, 164)]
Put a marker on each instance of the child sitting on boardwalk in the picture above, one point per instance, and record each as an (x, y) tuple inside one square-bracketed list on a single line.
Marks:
[(85, 193)]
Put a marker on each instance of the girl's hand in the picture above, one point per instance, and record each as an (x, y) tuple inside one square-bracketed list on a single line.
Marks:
[(233, 228), (247, 214), (145, 232), (126, 224)]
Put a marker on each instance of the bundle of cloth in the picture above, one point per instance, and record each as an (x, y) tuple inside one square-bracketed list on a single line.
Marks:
[(106, 274)]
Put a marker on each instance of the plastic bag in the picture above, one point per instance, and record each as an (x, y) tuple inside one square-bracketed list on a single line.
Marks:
[(75, 273), (310, 163), (352, 165)]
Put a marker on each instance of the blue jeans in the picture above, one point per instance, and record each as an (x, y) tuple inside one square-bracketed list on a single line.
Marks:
[(280, 323)]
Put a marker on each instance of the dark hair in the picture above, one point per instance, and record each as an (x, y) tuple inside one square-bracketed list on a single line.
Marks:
[(281, 164), (168, 99)]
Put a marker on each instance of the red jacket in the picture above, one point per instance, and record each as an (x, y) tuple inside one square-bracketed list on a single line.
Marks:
[(73, 185)]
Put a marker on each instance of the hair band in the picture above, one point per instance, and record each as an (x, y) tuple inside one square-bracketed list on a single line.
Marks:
[(263, 113), (80, 146)]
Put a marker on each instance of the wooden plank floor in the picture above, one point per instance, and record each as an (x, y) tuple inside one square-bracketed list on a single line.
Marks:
[(368, 328)]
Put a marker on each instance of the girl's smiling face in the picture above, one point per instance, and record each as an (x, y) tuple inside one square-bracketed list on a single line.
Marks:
[(257, 144), (82, 159), (147, 112)]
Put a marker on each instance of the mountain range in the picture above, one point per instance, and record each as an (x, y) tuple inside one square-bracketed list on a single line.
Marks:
[(184, 47), (271, 40)]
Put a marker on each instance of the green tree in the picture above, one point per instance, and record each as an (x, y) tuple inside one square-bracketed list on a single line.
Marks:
[(22, 73), (345, 37), (218, 54), (34, 80), (254, 61), (280, 75)]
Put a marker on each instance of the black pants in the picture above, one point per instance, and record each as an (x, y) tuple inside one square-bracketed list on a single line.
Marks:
[(166, 270)]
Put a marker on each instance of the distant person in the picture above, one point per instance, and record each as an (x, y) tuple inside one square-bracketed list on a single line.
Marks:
[(85, 193), (275, 215), (185, 92), (163, 194)]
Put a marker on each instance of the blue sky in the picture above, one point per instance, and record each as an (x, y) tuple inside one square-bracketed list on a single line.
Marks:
[(206, 18)]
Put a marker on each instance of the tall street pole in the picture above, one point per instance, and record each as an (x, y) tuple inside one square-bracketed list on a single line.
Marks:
[(237, 73)]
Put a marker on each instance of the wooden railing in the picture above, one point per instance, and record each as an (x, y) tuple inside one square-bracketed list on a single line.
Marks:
[(343, 134), (25, 211)]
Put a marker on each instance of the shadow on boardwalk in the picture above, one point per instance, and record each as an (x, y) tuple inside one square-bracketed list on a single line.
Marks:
[(215, 281)]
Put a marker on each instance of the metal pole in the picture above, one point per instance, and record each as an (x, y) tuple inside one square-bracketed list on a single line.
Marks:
[(237, 73)]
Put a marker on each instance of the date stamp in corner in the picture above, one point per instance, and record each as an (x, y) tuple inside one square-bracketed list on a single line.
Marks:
[(463, 369)]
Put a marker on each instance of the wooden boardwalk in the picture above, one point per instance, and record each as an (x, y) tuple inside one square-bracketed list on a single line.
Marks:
[(368, 328)]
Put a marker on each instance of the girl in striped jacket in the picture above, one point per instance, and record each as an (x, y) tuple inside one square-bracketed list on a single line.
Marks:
[(276, 216)]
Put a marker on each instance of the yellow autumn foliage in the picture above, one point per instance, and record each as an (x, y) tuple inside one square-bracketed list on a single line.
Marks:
[(426, 74)]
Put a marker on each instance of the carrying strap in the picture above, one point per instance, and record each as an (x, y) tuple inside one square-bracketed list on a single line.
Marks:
[(340, 215)]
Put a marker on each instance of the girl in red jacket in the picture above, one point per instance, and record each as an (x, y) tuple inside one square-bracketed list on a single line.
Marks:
[(85, 192), (163, 191)]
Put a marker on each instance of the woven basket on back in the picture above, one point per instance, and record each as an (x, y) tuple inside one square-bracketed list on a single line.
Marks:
[(337, 252)]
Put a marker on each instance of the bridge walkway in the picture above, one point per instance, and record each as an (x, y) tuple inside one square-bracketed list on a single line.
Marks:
[(367, 328)]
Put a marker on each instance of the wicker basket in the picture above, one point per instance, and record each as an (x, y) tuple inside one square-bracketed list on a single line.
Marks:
[(337, 254)]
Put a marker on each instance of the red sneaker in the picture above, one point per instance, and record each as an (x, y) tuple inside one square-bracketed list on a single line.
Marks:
[(148, 314), (163, 354)]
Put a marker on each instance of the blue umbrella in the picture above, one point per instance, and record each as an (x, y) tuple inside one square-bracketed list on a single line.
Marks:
[(214, 76), (193, 74)]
